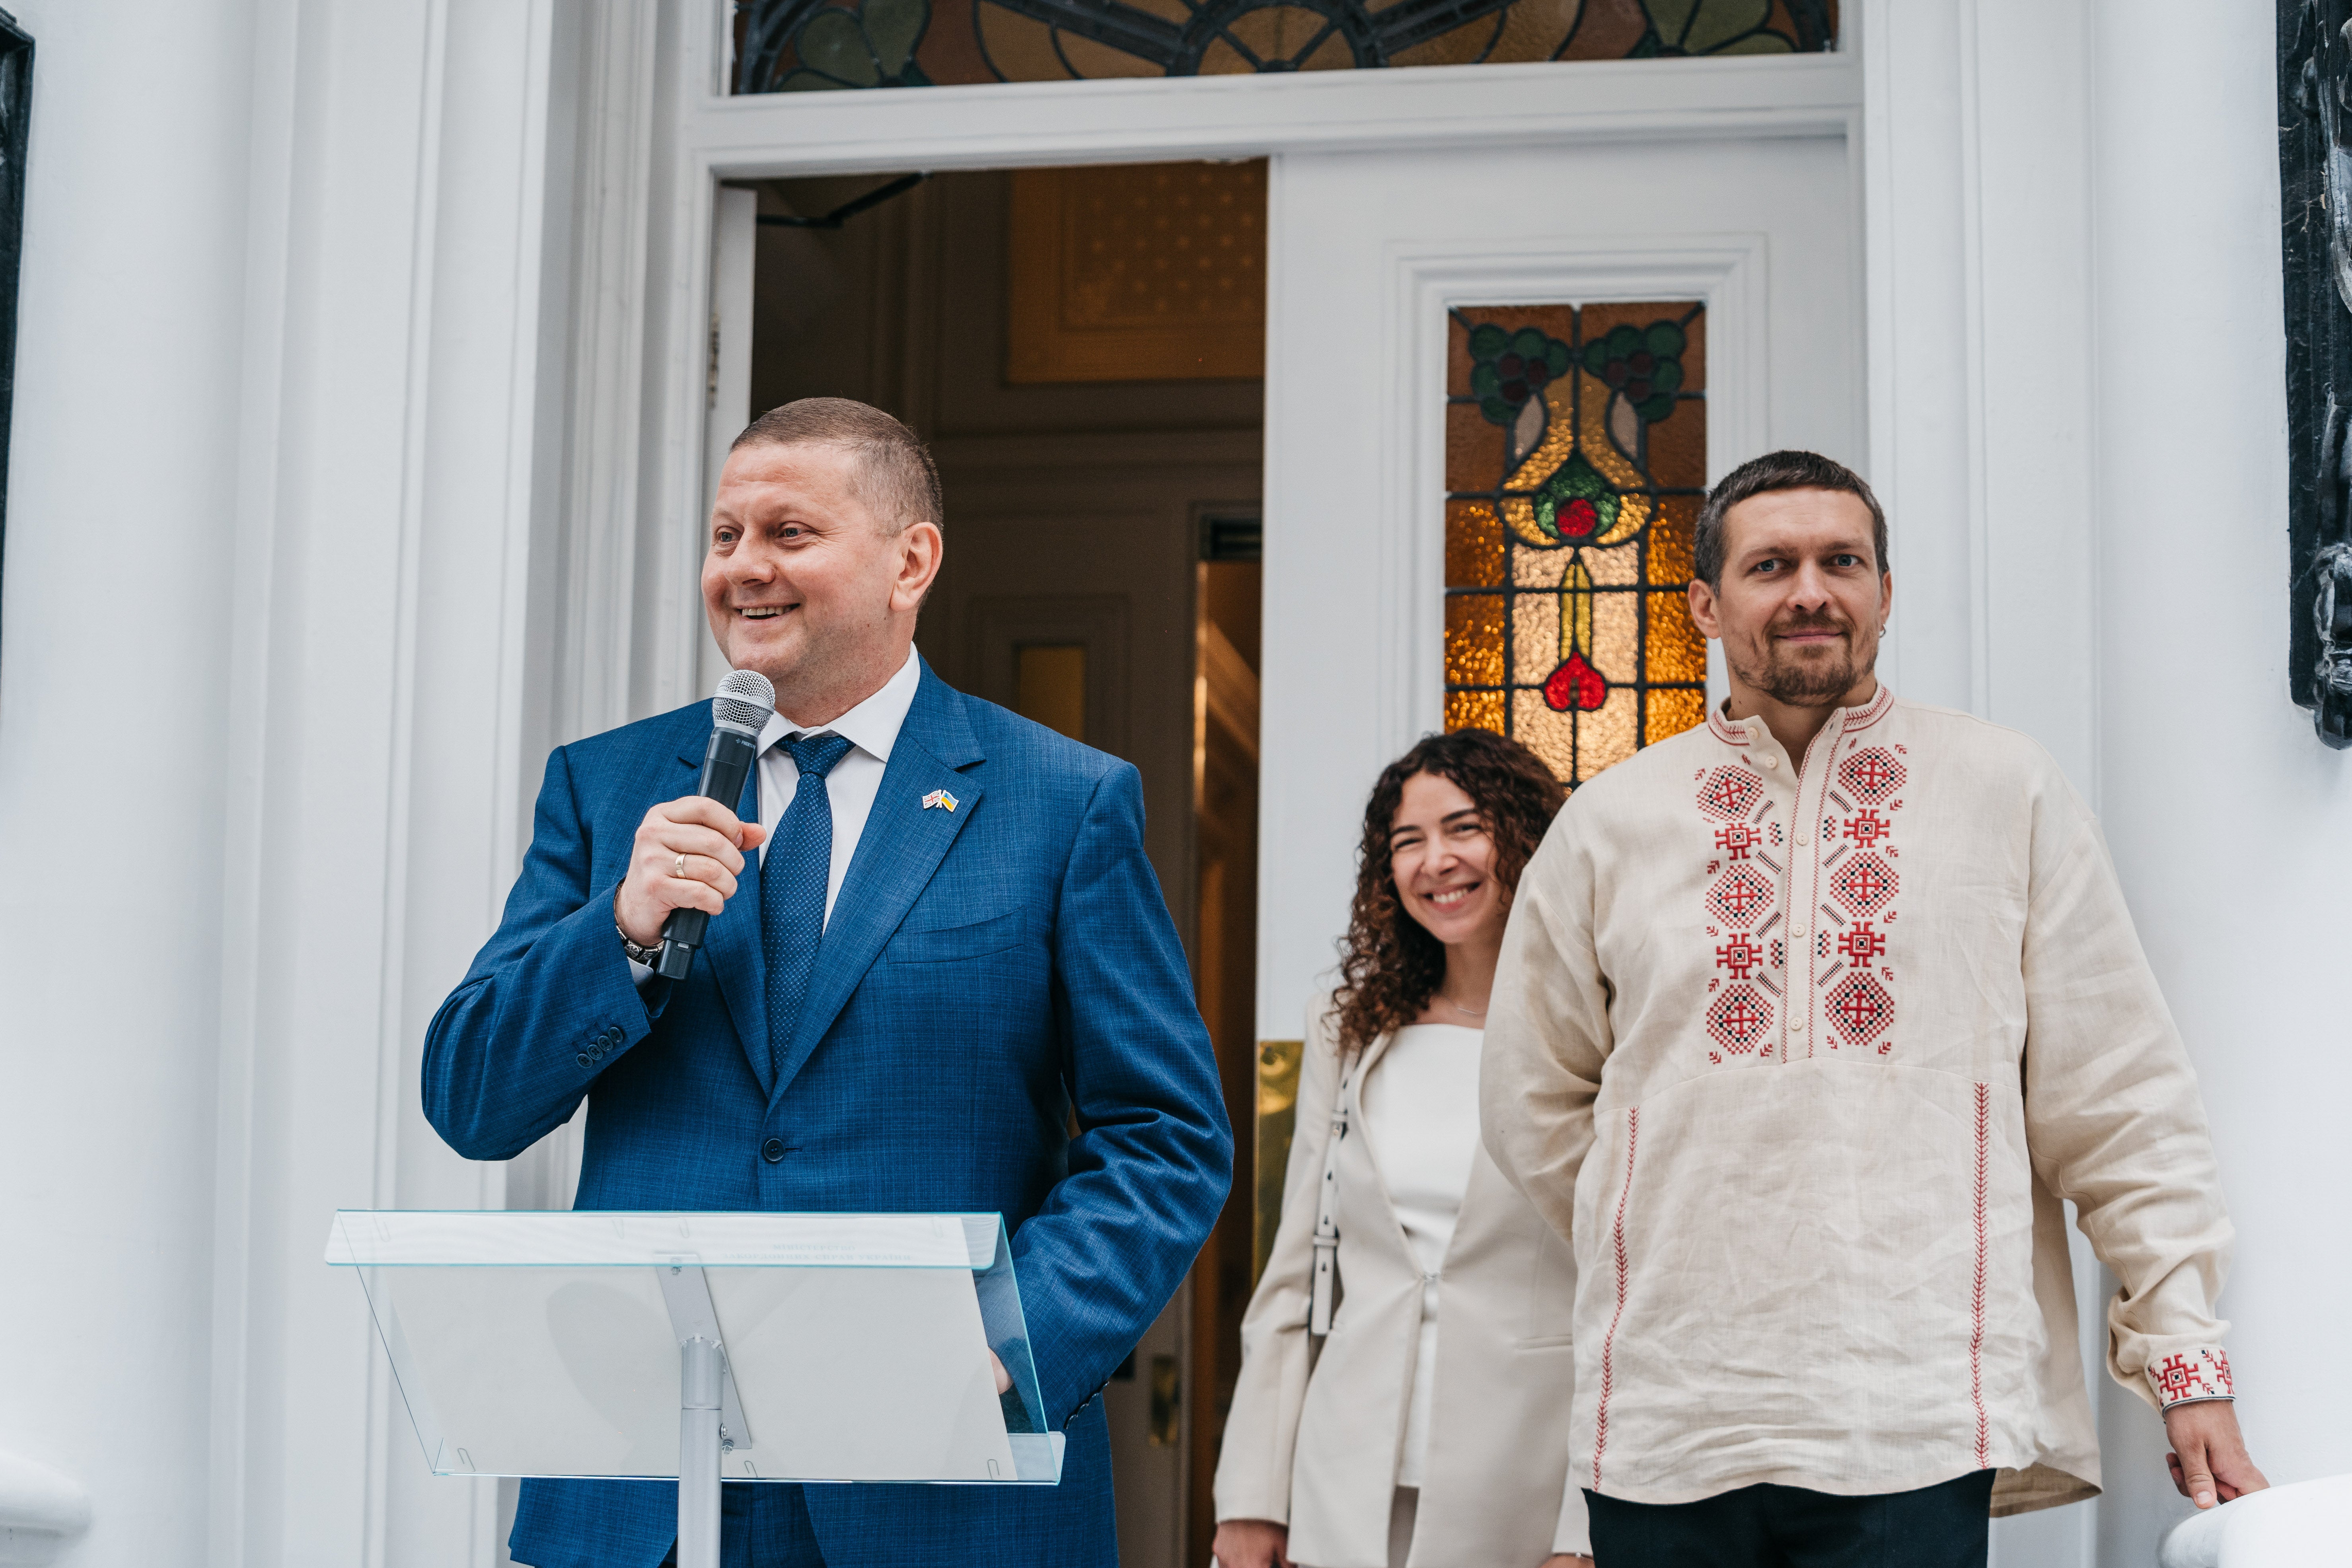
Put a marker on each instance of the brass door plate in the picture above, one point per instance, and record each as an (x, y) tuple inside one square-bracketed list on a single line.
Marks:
[(1277, 1118)]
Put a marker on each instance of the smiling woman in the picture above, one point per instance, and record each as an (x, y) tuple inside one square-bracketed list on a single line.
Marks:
[(1449, 827)]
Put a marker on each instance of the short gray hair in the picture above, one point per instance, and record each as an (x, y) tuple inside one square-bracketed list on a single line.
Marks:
[(1779, 472), (895, 477)]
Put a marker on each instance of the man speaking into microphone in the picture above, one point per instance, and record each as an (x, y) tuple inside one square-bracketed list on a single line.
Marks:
[(937, 975)]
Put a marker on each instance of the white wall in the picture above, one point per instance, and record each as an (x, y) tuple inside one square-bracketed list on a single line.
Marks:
[(270, 523), (2231, 823), (114, 655), (2079, 424)]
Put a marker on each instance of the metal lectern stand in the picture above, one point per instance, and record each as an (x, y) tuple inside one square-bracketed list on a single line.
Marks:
[(710, 1413), (566, 1344)]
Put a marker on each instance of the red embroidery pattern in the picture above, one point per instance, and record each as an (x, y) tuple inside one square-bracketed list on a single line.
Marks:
[(1739, 1018), (1617, 1241), (1872, 774), (1977, 1320), (1860, 806), (1738, 840), (1729, 793), (1739, 895), (2201, 1374), (1867, 828), (1739, 955), (1860, 943), (1865, 884), (1860, 1007)]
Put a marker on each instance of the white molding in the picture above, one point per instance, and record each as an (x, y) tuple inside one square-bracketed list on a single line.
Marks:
[(595, 648), (391, 838), (1729, 273), (734, 252), (1138, 119), (41, 1510), (1972, 291), (708, 138)]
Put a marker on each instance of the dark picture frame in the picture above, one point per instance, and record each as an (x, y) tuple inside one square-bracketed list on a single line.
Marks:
[(2315, 85), (15, 113)]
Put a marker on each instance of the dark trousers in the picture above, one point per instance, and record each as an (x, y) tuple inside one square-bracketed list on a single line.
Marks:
[(762, 1526), (1942, 1526)]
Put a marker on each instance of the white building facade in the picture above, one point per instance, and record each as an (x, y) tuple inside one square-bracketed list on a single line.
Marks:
[(358, 432)]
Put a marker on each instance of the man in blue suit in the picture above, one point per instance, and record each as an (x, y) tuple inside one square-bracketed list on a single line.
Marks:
[(940, 977)]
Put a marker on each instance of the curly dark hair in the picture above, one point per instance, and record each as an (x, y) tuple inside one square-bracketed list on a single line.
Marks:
[(1390, 966)]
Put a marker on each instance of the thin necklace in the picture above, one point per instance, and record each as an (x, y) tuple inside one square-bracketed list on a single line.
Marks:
[(1473, 1012)]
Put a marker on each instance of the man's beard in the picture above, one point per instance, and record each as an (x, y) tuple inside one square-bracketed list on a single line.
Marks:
[(1801, 682)]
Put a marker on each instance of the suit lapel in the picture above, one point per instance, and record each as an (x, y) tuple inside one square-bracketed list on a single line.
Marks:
[(902, 846), (733, 949)]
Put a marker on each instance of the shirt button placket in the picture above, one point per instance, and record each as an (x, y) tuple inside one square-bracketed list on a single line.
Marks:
[(1804, 884)]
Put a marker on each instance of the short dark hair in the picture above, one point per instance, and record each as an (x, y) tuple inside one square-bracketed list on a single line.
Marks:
[(896, 477), (1780, 472)]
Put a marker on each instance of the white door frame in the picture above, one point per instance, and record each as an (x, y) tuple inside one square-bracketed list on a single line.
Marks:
[(707, 138), (701, 137)]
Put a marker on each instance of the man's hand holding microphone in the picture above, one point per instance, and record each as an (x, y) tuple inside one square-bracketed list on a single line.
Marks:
[(689, 855)]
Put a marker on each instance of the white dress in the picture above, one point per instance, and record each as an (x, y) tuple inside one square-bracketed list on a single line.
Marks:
[(1421, 1120)]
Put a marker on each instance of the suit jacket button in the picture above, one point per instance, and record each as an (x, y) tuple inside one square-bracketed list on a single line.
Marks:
[(773, 1150), (585, 1060)]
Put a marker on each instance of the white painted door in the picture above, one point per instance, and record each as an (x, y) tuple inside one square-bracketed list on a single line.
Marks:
[(1370, 251)]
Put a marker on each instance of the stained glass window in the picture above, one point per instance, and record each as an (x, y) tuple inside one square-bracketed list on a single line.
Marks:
[(798, 45), (1575, 463)]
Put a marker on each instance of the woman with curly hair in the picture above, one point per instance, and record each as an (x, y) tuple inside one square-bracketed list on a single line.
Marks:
[(1405, 1360)]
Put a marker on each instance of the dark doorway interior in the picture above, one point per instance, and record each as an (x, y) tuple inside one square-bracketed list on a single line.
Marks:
[(1083, 351)]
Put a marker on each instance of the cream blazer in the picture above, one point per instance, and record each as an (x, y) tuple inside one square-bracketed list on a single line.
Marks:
[(1314, 1439)]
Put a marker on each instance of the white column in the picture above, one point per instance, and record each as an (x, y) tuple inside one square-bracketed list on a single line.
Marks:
[(2231, 824), (263, 758), (114, 653), (396, 453)]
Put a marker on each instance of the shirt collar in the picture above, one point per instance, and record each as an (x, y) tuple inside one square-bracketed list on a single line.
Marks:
[(872, 725), (1752, 731)]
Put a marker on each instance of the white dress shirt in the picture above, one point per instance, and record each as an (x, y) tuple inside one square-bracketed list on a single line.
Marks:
[(1421, 1121), (871, 728)]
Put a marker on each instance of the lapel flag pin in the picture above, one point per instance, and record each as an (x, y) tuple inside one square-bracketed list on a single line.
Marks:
[(940, 797)]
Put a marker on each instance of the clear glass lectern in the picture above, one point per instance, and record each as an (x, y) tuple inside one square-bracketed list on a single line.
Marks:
[(783, 1347)]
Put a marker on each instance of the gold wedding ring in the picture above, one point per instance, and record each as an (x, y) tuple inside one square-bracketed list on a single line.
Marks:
[(680, 872)]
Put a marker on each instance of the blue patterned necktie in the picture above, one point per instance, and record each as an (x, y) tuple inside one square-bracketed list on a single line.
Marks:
[(793, 876)]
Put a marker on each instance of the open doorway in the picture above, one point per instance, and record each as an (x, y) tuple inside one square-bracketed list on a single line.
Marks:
[(1082, 350)]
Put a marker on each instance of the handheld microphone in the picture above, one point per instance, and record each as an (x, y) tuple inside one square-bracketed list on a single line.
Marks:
[(737, 714)]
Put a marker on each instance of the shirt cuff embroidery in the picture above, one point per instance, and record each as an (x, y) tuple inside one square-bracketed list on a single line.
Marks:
[(2201, 1371)]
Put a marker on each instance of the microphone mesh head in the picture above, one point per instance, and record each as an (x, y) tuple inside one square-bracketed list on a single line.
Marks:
[(744, 701)]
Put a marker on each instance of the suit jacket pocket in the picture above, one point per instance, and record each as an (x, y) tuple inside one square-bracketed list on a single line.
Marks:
[(950, 943)]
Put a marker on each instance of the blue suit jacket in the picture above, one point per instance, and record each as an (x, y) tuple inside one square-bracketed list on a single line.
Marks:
[(986, 974)]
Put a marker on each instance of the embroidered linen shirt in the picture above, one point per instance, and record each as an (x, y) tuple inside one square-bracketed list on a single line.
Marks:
[(1802, 1055)]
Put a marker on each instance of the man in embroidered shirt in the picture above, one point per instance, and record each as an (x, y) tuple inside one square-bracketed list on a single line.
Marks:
[(1807, 1021)]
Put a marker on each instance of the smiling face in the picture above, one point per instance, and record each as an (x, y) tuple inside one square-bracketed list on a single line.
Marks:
[(803, 584), (1441, 858), (1803, 598)]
